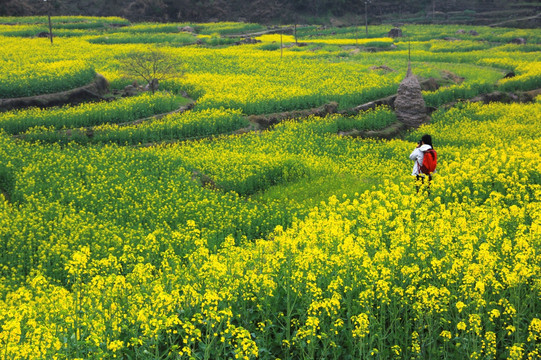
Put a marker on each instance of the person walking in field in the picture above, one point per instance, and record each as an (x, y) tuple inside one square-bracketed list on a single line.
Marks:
[(424, 161)]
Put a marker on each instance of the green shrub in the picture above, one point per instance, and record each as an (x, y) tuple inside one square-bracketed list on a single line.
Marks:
[(269, 47)]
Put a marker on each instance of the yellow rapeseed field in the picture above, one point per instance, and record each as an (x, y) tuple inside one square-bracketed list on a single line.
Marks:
[(291, 243)]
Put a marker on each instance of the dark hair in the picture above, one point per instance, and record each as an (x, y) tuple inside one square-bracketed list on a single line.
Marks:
[(427, 139)]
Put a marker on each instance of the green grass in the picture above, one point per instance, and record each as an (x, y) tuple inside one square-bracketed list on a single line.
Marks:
[(144, 38), (309, 192)]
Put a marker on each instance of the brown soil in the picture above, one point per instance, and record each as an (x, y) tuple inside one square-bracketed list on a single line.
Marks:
[(507, 97), (390, 132), (382, 67), (447, 75), (268, 120)]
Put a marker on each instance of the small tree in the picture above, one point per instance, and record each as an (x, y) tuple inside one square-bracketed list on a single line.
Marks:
[(153, 66)]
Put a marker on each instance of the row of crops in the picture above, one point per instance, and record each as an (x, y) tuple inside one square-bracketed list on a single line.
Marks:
[(292, 243), (245, 78), (122, 253)]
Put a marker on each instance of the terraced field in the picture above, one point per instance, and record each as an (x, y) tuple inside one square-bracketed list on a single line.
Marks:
[(231, 214)]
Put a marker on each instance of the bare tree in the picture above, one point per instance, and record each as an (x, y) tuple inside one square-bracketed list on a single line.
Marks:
[(153, 66)]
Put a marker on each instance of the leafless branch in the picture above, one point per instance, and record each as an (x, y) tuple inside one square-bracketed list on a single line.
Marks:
[(151, 65)]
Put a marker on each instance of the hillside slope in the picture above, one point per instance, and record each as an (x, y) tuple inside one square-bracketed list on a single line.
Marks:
[(486, 12)]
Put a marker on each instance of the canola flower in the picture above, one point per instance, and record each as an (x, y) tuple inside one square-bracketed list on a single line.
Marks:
[(20, 80), (382, 42), (261, 82), (89, 114), (228, 27), (529, 74), (144, 38), (426, 32), (119, 252), (383, 255)]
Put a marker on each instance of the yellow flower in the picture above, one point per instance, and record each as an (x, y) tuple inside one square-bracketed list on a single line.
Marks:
[(446, 335), (460, 306)]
